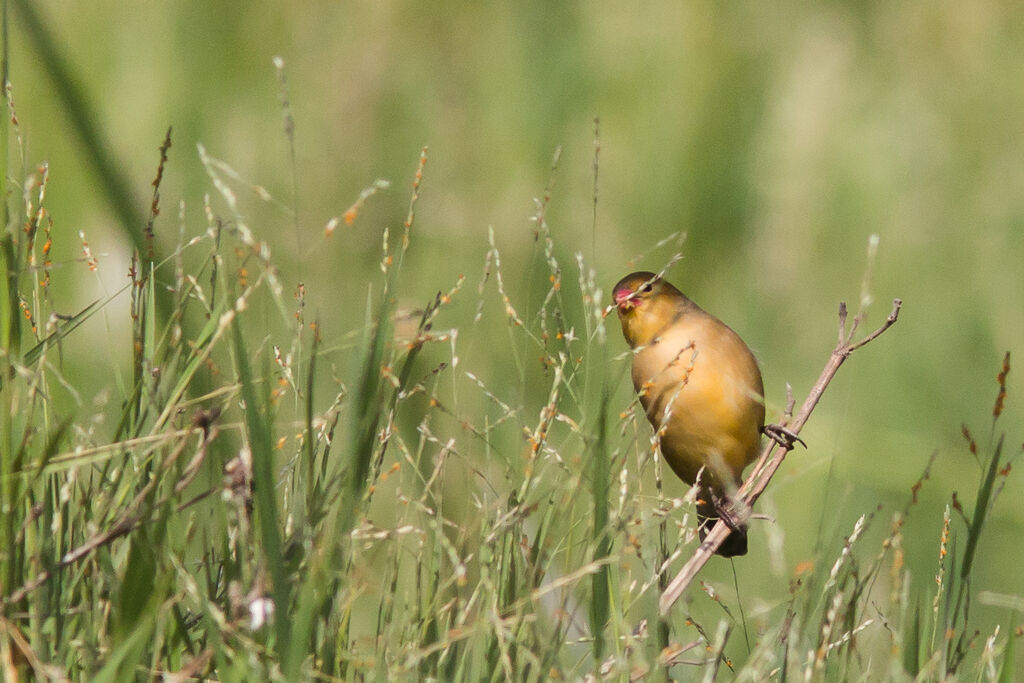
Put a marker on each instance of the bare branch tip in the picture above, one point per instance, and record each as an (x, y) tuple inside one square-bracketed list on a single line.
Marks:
[(897, 304)]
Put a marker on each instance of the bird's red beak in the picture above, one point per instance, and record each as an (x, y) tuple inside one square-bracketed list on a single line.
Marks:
[(624, 298)]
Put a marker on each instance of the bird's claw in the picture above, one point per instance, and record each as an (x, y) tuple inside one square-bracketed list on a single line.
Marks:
[(782, 436), (726, 509)]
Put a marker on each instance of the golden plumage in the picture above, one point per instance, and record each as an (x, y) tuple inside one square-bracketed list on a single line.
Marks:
[(699, 385)]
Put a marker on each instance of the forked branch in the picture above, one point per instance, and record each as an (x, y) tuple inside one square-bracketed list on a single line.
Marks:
[(774, 452)]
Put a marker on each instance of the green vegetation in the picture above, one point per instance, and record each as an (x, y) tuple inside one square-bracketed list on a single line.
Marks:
[(284, 427)]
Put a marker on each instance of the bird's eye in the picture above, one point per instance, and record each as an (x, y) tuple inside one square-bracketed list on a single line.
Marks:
[(646, 288)]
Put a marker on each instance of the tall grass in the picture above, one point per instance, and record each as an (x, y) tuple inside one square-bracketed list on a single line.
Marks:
[(260, 500), (401, 516)]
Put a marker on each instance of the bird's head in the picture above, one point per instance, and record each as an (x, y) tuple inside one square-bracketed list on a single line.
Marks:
[(646, 304)]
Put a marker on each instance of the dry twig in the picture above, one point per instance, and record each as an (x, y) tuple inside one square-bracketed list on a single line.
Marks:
[(774, 453)]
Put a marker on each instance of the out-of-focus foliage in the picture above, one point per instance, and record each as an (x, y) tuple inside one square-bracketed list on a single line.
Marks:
[(778, 137)]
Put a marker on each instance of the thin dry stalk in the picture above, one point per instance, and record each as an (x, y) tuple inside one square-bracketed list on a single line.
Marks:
[(774, 453)]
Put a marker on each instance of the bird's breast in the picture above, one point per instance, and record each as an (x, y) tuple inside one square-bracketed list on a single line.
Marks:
[(701, 389)]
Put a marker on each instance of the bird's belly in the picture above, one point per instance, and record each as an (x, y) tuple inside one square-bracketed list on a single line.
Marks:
[(706, 407)]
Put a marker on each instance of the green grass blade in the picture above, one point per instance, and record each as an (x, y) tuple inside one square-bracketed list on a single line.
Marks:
[(600, 484), (912, 644), (140, 577), (981, 510), (69, 325), (111, 181), (368, 409), (149, 329), (197, 357), (265, 495), (119, 666), (313, 493), (1007, 673), (53, 442), (10, 321)]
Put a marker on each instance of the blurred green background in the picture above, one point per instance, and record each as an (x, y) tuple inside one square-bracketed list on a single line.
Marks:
[(777, 136)]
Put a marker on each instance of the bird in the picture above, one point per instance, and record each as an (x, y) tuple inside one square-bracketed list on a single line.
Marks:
[(702, 391)]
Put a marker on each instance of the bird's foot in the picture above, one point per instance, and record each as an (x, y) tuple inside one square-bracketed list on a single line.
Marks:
[(782, 436), (730, 511), (733, 513)]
